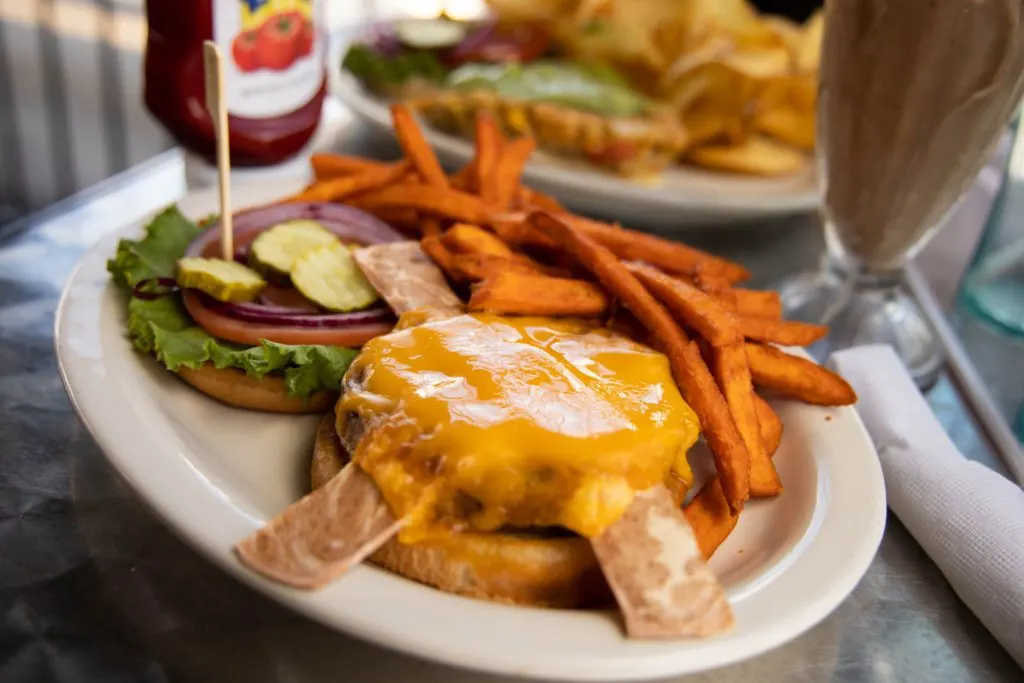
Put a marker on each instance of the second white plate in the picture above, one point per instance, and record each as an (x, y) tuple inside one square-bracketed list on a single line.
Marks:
[(682, 199)]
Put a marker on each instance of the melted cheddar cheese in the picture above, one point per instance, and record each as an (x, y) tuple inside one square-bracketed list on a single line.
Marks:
[(481, 422)]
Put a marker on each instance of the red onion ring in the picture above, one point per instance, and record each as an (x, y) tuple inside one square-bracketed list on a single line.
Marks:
[(350, 225), (153, 288), (290, 317)]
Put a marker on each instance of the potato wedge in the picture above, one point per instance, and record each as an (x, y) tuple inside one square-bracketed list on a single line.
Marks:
[(758, 155)]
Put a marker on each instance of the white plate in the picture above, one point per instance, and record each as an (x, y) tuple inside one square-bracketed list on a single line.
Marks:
[(215, 474), (682, 199)]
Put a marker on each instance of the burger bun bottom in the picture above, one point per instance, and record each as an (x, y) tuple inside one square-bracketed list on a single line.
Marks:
[(234, 387), (511, 567)]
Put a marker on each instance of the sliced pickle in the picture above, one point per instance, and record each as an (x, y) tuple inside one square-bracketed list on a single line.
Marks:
[(430, 34), (275, 250), (329, 277), (221, 279)]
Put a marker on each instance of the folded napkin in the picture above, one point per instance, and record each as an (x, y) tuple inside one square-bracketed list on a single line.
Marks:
[(969, 519)]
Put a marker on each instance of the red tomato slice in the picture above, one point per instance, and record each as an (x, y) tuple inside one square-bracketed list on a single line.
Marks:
[(522, 42), (242, 332), (612, 155)]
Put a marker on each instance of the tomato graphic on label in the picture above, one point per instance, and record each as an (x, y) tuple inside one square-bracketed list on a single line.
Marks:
[(277, 40), (245, 51), (304, 44)]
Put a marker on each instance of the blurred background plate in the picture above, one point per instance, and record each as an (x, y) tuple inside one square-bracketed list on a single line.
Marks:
[(681, 200)]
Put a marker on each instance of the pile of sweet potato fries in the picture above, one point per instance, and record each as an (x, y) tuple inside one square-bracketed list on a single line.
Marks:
[(516, 251)]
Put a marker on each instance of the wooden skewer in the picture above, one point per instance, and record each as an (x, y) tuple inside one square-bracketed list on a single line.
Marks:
[(213, 73)]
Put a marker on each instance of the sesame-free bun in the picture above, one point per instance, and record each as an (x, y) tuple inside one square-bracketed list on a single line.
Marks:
[(234, 387)]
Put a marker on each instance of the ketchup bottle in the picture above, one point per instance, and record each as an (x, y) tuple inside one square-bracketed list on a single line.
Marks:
[(275, 73)]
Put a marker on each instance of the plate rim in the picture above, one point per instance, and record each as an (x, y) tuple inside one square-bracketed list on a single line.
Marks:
[(658, 661), (374, 111)]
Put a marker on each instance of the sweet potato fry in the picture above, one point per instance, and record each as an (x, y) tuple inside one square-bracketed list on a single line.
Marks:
[(671, 257), (334, 165), (691, 374), (708, 512), (690, 306), (770, 423), (445, 259), (469, 239), (474, 267), (448, 204), (710, 281), (464, 179), (762, 303), (430, 227), (729, 365), (416, 147), (710, 517), (344, 187), (513, 229), (532, 199), (508, 169), (488, 142), (517, 293), (405, 220), (797, 377), (477, 267), (785, 332), (725, 297)]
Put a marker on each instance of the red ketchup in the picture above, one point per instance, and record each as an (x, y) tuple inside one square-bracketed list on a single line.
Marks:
[(275, 73)]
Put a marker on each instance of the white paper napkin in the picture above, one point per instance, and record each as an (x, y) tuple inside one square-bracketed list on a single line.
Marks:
[(969, 519)]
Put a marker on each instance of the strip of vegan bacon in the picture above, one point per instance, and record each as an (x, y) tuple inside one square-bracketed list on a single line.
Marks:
[(405, 277), (323, 535), (655, 568)]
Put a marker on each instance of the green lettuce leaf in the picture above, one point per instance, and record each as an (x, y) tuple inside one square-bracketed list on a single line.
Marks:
[(381, 73), (163, 327), (155, 255)]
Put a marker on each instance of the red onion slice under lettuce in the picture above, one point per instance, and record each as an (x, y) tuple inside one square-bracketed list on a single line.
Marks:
[(290, 317), (153, 288), (350, 225)]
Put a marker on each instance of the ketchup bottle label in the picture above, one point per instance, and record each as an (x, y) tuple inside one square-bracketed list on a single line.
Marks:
[(276, 54)]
